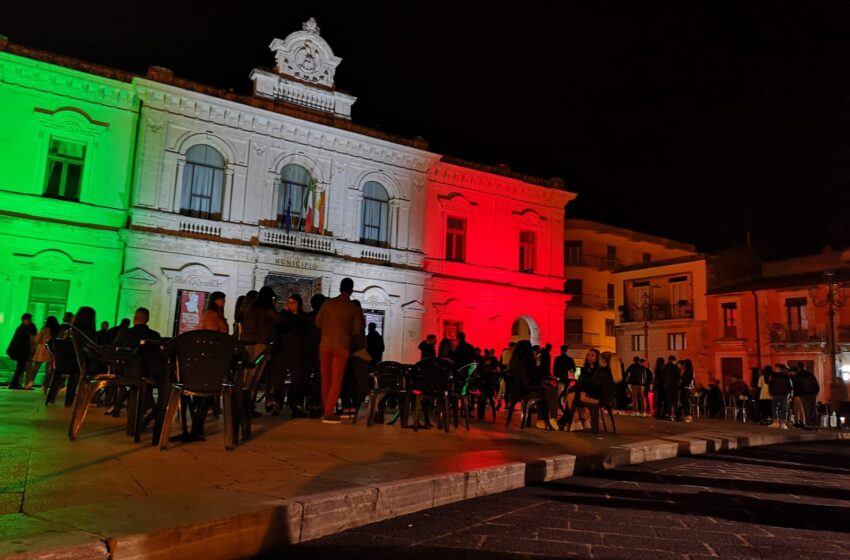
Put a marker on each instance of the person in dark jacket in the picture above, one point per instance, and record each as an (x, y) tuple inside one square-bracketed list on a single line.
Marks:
[(524, 376), (21, 348), (636, 379), (109, 339), (595, 385), (464, 353), (647, 389), (659, 390), (292, 355), (780, 389), (428, 347), (686, 387), (374, 343), (806, 388), (672, 384)]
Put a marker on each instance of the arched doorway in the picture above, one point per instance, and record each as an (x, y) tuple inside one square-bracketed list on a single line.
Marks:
[(525, 328)]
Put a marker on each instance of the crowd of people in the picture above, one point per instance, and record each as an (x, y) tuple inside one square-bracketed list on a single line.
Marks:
[(321, 358)]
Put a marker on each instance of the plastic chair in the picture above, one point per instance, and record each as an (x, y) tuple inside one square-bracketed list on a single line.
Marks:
[(459, 390), (99, 369), (207, 364), (253, 374), (596, 411), (527, 402), (64, 366), (431, 380), (388, 378)]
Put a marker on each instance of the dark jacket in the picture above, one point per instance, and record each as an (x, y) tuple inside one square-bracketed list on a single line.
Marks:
[(806, 384), (464, 354), (132, 337), (598, 383), (427, 350), (780, 384), (562, 367), (672, 376), (258, 325), (375, 346), (297, 341), (636, 375), (21, 348)]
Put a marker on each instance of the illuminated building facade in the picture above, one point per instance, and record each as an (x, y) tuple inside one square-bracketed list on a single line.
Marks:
[(494, 253), (592, 252), (121, 191)]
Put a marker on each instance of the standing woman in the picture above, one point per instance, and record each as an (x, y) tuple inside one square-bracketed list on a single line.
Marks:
[(595, 385), (213, 319), (446, 350), (687, 387), (42, 356), (524, 377), (658, 389), (765, 402), (293, 355)]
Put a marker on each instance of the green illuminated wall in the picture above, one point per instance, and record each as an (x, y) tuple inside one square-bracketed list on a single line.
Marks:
[(73, 242)]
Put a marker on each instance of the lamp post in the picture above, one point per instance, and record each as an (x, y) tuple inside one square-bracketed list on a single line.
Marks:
[(646, 307), (834, 300)]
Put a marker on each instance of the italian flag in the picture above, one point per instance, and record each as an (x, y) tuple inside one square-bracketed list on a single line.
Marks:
[(307, 205)]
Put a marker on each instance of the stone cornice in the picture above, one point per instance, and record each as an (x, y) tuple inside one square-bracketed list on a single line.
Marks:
[(44, 75), (455, 175), (258, 121)]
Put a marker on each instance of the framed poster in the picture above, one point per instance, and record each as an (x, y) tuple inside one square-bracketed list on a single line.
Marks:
[(374, 316), (189, 311)]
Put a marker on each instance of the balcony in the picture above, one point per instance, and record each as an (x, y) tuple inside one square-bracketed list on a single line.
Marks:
[(592, 301), (581, 340), (782, 336), (296, 240), (593, 261), (660, 312)]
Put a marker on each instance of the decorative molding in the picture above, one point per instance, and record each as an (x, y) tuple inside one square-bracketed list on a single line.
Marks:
[(75, 110)]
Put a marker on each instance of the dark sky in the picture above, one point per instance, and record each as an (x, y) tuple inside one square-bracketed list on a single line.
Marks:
[(692, 120)]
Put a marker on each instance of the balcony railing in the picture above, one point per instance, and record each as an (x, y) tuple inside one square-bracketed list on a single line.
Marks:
[(582, 339), (780, 335), (594, 261), (592, 301), (296, 240), (660, 312)]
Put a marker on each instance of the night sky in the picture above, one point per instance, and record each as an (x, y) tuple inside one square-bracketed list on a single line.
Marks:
[(692, 120)]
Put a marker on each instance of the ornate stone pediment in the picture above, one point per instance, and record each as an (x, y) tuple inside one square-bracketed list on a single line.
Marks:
[(305, 55), (304, 74)]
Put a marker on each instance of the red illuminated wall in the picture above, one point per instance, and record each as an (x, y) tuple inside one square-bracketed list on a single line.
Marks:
[(488, 292)]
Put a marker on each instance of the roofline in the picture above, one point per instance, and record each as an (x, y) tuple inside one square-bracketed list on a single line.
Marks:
[(505, 171), (658, 264), (638, 236)]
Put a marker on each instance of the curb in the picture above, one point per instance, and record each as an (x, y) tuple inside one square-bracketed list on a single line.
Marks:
[(311, 517)]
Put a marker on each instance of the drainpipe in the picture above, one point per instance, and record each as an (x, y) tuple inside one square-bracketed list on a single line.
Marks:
[(758, 331)]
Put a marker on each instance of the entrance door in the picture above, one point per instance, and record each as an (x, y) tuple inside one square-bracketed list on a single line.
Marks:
[(47, 297), (284, 285), (731, 368)]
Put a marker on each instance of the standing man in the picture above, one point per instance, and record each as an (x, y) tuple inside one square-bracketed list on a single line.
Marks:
[(546, 361), (339, 320), (21, 348), (806, 387), (564, 369), (464, 353), (672, 384), (636, 379), (647, 388), (375, 344)]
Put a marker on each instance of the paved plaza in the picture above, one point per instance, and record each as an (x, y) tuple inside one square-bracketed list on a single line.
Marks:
[(784, 501), (295, 481)]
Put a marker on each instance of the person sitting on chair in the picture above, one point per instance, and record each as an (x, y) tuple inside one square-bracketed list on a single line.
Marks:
[(595, 386)]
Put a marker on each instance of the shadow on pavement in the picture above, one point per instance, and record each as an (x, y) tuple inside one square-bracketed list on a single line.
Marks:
[(734, 507)]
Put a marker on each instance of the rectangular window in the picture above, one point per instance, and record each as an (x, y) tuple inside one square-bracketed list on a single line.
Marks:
[(573, 329), (609, 327), (527, 251), (572, 253), (451, 328), (610, 296), (676, 341), (65, 161), (730, 320), (611, 256), (574, 288), (638, 343), (798, 320), (456, 239)]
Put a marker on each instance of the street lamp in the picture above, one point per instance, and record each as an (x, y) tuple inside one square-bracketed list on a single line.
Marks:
[(834, 300)]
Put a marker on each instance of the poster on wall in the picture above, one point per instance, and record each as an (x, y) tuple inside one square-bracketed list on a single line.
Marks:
[(374, 316), (190, 310)]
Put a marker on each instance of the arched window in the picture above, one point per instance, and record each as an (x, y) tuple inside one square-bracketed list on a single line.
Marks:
[(295, 183), (203, 182), (376, 211)]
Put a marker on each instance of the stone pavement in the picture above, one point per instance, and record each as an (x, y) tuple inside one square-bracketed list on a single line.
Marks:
[(103, 496), (788, 501)]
